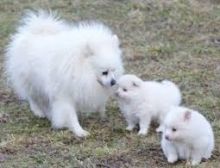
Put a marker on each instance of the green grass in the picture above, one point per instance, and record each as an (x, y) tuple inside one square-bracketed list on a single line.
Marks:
[(172, 39)]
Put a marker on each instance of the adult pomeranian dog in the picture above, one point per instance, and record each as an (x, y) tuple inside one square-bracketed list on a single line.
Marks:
[(63, 69), (142, 101), (187, 135)]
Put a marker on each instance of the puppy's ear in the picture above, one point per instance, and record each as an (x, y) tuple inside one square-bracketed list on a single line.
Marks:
[(87, 52), (187, 115), (136, 83), (115, 39)]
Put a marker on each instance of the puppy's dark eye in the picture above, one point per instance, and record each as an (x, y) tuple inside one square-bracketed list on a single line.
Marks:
[(105, 73), (174, 129), (125, 90)]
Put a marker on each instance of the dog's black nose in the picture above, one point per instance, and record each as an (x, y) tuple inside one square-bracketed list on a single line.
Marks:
[(167, 138), (113, 82)]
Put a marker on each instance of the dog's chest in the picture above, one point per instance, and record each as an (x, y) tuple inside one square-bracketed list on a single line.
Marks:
[(90, 103), (129, 109)]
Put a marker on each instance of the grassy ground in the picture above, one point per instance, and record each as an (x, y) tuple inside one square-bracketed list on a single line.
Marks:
[(172, 39)]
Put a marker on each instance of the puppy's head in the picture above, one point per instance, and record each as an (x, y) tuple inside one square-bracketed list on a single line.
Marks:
[(129, 87), (177, 125), (104, 57)]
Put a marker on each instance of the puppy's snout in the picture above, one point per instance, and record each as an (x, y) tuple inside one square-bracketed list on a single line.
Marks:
[(167, 137), (117, 94), (113, 82)]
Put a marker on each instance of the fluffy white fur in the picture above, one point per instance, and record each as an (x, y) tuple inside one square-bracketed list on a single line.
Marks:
[(187, 135), (143, 101), (63, 69)]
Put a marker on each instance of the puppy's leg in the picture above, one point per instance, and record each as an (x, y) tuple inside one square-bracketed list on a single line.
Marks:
[(170, 151), (144, 124), (36, 109), (207, 155), (196, 157), (130, 126), (172, 156), (208, 152), (102, 113), (64, 115), (131, 123)]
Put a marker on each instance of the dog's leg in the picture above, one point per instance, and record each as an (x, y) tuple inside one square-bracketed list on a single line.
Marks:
[(102, 113), (64, 115), (171, 157), (208, 154), (36, 109), (196, 157), (131, 124), (144, 124), (169, 151)]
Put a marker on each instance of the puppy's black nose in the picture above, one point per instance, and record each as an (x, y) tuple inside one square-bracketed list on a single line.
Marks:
[(167, 138), (113, 82)]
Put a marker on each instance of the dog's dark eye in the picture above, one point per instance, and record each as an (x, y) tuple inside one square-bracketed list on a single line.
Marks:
[(174, 129), (125, 90), (105, 73)]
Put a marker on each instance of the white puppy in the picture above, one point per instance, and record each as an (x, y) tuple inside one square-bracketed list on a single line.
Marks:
[(143, 101), (187, 135), (63, 69)]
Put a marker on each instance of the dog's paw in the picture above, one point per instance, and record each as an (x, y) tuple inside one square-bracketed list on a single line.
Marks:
[(142, 132), (129, 128), (194, 162), (172, 159), (82, 133)]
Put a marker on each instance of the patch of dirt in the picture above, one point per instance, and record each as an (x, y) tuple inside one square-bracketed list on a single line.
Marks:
[(153, 155), (4, 118), (115, 161), (8, 151), (3, 157), (7, 98), (215, 155)]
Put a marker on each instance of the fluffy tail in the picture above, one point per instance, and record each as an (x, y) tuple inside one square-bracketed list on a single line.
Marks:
[(174, 91), (42, 22)]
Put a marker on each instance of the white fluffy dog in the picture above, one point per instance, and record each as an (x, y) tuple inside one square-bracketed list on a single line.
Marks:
[(143, 101), (63, 69), (187, 135)]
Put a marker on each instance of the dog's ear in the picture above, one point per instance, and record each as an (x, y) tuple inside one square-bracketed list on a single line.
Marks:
[(115, 39), (136, 83), (87, 52), (187, 115)]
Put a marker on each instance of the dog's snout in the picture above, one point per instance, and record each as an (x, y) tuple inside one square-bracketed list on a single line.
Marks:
[(117, 94), (167, 137), (113, 82)]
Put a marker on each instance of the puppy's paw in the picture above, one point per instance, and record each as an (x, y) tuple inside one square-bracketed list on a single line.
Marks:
[(195, 162), (172, 158), (142, 132), (39, 115), (82, 133), (159, 129), (129, 128)]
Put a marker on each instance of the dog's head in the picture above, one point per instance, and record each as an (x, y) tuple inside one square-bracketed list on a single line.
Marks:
[(104, 57), (128, 87), (177, 125)]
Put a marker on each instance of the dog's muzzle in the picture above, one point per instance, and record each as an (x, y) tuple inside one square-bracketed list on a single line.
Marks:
[(113, 82)]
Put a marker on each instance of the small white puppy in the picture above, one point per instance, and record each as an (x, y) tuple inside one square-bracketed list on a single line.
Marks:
[(186, 135), (63, 69), (142, 101)]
